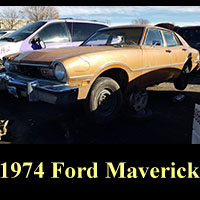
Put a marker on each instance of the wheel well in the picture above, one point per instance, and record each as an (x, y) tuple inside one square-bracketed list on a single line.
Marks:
[(119, 75)]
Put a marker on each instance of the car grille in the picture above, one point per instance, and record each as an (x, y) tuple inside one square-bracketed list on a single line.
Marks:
[(32, 71)]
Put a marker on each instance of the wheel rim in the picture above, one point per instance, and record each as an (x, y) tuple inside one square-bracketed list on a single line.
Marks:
[(106, 102), (138, 100)]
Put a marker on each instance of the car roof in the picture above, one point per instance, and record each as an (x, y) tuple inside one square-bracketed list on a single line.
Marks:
[(190, 27), (133, 25), (7, 30), (75, 20)]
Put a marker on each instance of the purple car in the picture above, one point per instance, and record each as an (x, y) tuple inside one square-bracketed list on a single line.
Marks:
[(54, 34)]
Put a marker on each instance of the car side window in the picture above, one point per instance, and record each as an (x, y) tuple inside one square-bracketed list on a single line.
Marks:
[(81, 31), (55, 33), (171, 39), (153, 36)]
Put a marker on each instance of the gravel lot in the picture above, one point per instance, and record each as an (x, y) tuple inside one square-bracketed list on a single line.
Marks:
[(171, 122)]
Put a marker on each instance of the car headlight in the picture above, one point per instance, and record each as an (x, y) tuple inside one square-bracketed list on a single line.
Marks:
[(60, 71), (9, 66)]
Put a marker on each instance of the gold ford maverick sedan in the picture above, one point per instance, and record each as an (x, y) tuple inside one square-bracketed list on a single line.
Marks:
[(113, 63)]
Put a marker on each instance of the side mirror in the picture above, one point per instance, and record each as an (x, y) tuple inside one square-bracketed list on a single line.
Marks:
[(37, 43), (41, 43), (155, 43)]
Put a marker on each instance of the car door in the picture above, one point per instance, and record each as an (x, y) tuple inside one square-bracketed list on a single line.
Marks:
[(155, 57), (55, 35), (178, 53)]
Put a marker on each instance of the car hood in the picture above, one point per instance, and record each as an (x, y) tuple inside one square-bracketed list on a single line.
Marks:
[(9, 48), (3, 43), (49, 55)]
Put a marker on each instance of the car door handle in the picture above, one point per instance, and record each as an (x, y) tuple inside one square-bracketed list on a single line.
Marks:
[(184, 49), (168, 51)]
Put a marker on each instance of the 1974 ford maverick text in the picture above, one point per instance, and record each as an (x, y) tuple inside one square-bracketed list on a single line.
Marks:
[(113, 63)]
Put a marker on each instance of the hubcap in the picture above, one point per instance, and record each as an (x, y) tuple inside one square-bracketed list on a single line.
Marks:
[(138, 100), (104, 100)]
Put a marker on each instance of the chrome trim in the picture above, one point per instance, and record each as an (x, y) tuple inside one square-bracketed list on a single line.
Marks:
[(113, 63), (196, 61), (15, 75), (83, 76), (158, 66), (95, 73), (17, 82), (57, 90), (40, 84), (30, 64), (53, 64), (38, 90), (13, 90), (132, 70)]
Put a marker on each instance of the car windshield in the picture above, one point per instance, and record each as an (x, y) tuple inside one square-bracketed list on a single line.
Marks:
[(23, 33), (2, 33), (118, 36)]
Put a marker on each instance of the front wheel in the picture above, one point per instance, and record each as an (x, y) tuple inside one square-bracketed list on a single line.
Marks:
[(104, 100)]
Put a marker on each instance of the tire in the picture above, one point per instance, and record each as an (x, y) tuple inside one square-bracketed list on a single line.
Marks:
[(104, 100), (138, 100), (181, 82)]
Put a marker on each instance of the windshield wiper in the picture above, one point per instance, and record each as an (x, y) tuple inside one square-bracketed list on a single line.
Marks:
[(8, 39)]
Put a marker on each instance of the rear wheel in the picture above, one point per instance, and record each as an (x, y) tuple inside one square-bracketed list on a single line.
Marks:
[(104, 101), (138, 100), (181, 82)]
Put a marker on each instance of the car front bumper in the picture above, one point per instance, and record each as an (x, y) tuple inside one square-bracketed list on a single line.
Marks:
[(38, 89), (1, 65)]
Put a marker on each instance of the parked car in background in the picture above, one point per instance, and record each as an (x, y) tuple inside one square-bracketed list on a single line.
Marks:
[(166, 25), (4, 32), (54, 33), (191, 34), (113, 63)]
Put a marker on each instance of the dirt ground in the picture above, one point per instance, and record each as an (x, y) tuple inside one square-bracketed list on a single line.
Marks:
[(41, 123)]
